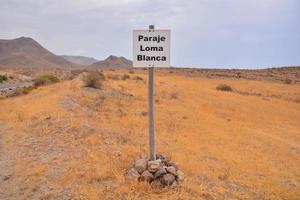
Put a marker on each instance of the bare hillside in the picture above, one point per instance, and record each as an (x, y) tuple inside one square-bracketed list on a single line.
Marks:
[(27, 53), (112, 62)]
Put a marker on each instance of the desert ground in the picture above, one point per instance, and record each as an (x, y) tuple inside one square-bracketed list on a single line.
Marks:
[(67, 141)]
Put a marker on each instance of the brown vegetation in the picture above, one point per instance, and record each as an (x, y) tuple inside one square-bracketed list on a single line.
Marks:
[(68, 141), (93, 79)]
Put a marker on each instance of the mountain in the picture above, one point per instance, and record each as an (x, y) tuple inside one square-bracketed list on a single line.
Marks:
[(112, 62), (25, 52), (81, 60)]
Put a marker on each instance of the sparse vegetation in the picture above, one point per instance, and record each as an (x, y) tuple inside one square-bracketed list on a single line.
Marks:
[(138, 78), (21, 91), (224, 87), (113, 76), (93, 79), (3, 78), (125, 77), (45, 80), (131, 72), (287, 81), (174, 96)]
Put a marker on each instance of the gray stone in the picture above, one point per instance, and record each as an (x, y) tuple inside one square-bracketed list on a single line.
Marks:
[(172, 170), (168, 179), (146, 176), (140, 165), (132, 173), (171, 163), (174, 184), (180, 175), (153, 165), (160, 172)]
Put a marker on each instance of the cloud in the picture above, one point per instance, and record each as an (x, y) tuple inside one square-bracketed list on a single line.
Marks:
[(204, 32)]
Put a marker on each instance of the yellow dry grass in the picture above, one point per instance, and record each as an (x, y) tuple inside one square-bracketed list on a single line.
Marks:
[(230, 145)]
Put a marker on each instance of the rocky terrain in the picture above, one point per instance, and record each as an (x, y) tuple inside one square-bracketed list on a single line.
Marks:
[(112, 62)]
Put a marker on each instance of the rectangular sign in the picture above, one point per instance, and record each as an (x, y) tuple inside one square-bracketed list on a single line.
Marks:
[(151, 48)]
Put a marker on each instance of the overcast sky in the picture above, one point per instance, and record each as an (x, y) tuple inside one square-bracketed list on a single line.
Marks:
[(205, 33)]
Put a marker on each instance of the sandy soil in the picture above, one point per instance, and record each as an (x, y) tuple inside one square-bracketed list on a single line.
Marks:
[(65, 141)]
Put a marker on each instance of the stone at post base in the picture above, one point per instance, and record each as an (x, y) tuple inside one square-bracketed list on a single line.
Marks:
[(168, 179), (132, 174), (153, 165), (171, 170), (160, 172), (140, 165), (180, 175), (146, 176)]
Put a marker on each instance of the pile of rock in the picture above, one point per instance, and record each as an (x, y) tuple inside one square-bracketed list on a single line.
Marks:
[(159, 172)]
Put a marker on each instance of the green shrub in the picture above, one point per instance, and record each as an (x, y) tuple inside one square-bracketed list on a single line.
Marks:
[(45, 80), (3, 78), (93, 79), (224, 87)]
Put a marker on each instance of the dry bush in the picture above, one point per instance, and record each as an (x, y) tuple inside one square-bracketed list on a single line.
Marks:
[(3, 78), (173, 96), (45, 80), (114, 76), (131, 72), (138, 78), (94, 79), (287, 81), (21, 91), (224, 87), (125, 77)]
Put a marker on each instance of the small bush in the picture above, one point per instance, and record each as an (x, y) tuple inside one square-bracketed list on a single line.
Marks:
[(94, 79), (131, 72), (45, 80), (125, 77), (113, 76), (287, 81), (173, 96), (27, 89), (224, 87), (138, 78), (3, 78), (21, 91)]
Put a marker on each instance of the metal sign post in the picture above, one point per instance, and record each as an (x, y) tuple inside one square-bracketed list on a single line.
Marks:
[(151, 107), (151, 48)]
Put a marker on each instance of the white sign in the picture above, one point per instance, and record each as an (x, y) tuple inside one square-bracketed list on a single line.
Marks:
[(151, 48)]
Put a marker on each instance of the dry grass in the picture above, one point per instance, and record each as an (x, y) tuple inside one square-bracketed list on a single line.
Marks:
[(93, 79), (65, 140), (45, 79), (224, 87)]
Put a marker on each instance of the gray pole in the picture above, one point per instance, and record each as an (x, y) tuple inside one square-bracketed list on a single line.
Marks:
[(151, 108)]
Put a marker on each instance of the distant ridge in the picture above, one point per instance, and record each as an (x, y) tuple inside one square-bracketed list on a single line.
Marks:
[(81, 60), (112, 62), (25, 52)]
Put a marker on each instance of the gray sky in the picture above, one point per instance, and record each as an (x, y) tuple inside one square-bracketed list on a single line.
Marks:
[(205, 33)]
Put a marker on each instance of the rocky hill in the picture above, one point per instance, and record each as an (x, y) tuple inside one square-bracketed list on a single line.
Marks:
[(25, 52), (112, 62)]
